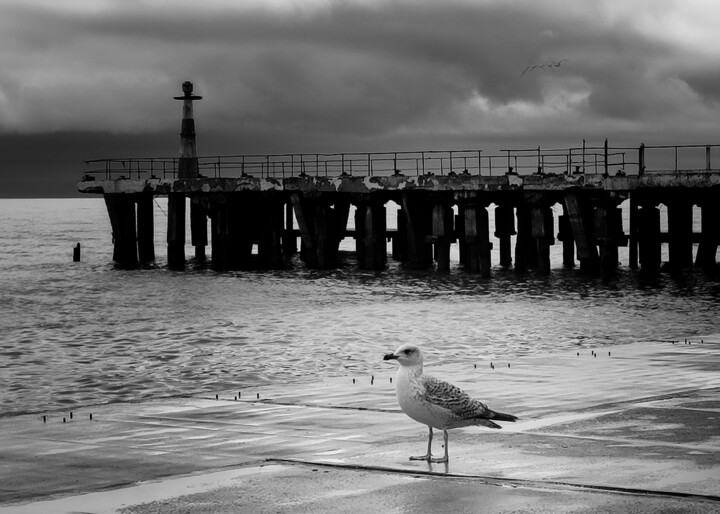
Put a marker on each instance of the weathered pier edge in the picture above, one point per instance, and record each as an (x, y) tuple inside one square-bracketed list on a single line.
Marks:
[(250, 210)]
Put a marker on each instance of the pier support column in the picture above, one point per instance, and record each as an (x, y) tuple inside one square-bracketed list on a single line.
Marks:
[(220, 234), (145, 228), (633, 235), (242, 230), (581, 216), (340, 216), (176, 231), (121, 210), (270, 212), (317, 225), (568, 241), (680, 230), (370, 228), (442, 231), (198, 229), (459, 234), (649, 237), (418, 218), (608, 234), (504, 230), (543, 232), (525, 250), (289, 241), (710, 236), (477, 236), (399, 242)]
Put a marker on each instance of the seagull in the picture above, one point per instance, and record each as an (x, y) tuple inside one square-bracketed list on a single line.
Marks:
[(436, 403), (546, 65)]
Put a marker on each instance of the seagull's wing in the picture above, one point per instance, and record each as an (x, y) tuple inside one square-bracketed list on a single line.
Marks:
[(454, 399)]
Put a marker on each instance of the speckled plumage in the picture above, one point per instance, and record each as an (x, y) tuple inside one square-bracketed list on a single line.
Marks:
[(436, 403)]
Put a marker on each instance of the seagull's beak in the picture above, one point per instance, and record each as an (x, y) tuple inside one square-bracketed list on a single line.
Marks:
[(390, 356)]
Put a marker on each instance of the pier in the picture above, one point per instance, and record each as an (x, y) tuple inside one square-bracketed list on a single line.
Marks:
[(271, 202)]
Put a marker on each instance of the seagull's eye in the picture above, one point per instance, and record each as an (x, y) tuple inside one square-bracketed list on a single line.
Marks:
[(407, 352)]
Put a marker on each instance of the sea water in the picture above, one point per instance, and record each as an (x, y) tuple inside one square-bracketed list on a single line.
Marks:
[(75, 334)]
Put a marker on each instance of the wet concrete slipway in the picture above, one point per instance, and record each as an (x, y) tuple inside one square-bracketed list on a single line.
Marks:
[(632, 428)]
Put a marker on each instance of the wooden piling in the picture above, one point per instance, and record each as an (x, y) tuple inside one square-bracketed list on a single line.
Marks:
[(680, 228), (317, 225), (370, 228), (198, 229), (483, 236), (245, 232), (341, 214), (145, 228), (459, 235), (542, 228), (633, 233), (121, 210), (525, 250), (476, 236), (176, 231), (581, 215), (270, 213), (606, 219), (649, 237), (418, 218), (442, 231), (568, 241), (220, 230), (289, 242), (710, 235), (504, 230), (323, 239), (399, 242), (305, 219)]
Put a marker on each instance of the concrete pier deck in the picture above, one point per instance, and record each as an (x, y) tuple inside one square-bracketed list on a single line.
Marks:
[(631, 428)]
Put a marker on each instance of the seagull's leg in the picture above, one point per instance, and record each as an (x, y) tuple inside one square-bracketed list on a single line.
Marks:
[(429, 454), (444, 459)]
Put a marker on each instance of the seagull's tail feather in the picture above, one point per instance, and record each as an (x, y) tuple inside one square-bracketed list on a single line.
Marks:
[(503, 417), (486, 423)]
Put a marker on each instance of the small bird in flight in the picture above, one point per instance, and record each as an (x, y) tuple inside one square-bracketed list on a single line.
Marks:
[(436, 403), (549, 65)]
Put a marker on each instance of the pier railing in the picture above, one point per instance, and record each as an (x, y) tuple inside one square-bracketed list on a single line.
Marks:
[(585, 159)]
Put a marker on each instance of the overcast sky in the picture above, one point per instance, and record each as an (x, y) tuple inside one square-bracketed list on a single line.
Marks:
[(84, 79)]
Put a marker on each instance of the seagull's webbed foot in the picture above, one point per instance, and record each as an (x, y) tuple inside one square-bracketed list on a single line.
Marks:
[(427, 457)]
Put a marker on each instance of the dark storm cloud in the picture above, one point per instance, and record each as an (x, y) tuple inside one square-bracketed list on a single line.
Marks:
[(318, 75)]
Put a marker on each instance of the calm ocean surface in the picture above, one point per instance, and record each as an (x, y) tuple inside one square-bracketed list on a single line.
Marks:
[(78, 334)]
